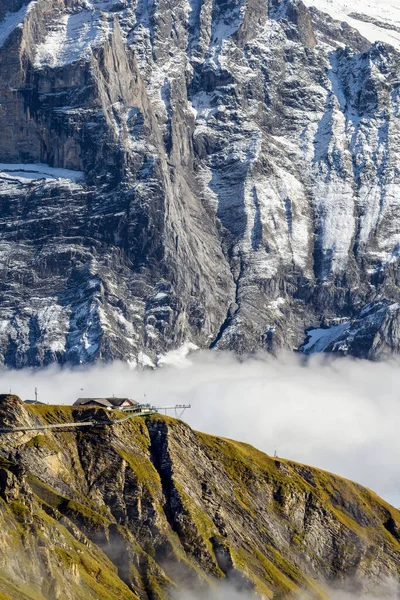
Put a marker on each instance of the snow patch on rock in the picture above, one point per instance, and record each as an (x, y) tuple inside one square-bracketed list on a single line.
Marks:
[(319, 339), (72, 36), (26, 173), (376, 20), (11, 21)]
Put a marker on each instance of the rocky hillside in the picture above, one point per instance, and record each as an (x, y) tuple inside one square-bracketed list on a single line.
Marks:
[(148, 508), (211, 173)]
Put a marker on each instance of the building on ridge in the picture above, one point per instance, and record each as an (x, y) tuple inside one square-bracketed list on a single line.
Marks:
[(108, 403)]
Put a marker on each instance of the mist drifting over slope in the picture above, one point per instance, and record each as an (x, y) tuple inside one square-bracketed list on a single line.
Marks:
[(390, 591), (339, 415)]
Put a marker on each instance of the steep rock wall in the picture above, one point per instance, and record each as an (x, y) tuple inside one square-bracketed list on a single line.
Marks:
[(241, 179)]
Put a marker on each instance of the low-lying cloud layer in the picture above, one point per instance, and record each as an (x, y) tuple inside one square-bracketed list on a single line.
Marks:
[(340, 415), (224, 591)]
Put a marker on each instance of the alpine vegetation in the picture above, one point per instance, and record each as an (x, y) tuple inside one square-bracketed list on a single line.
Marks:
[(146, 508)]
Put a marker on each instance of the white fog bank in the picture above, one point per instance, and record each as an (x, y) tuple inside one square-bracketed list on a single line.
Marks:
[(340, 415)]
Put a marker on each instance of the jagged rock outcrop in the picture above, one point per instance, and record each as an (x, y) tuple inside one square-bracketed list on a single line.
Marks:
[(146, 509), (227, 176), (373, 334)]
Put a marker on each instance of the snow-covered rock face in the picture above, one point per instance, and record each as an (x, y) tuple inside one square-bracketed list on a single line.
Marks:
[(376, 20), (219, 173)]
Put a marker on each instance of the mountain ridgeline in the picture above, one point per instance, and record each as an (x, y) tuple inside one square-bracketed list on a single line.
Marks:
[(149, 509), (223, 173)]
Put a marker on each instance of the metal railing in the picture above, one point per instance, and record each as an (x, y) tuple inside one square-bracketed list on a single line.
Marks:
[(178, 409), (141, 410)]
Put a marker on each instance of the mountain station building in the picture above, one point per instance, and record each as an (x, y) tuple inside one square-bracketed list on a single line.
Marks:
[(108, 403)]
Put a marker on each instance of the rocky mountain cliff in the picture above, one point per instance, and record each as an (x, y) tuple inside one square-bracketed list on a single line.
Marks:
[(149, 508), (215, 173)]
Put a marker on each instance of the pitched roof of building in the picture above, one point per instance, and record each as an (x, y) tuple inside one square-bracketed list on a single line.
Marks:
[(101, 401), (107, 402), (119, 401)]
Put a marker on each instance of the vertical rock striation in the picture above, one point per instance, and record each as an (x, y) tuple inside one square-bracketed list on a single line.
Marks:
[(240, 179)]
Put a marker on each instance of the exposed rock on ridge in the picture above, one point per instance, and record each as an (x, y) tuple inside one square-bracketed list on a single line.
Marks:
[(143, 508), (241, 178)]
